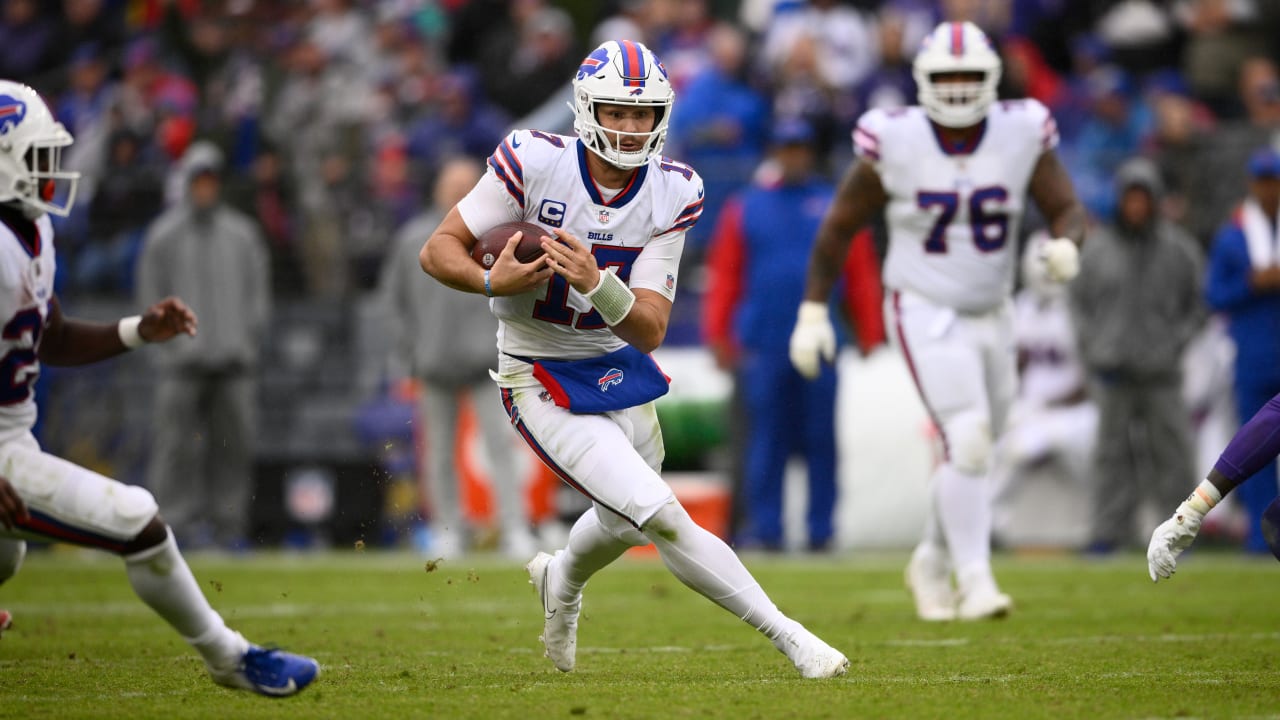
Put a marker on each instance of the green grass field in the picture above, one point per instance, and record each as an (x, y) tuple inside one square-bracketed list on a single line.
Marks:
[(1089, 639)]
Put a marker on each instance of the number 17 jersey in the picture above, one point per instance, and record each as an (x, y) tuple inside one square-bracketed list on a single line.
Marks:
[(637, 232), (954, 212)]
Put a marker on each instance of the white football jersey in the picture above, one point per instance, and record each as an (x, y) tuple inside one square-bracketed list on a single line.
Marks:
[(954, 213), (637, 232), (27, 267)]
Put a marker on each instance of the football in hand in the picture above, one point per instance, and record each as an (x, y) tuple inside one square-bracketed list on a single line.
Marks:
[(491, 242)]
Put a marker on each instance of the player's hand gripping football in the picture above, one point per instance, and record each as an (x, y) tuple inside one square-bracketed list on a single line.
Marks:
[(1060, 258), (12, 509), (813, 339), (509, 276), (168, 318), (573, 261), (1170, 539)]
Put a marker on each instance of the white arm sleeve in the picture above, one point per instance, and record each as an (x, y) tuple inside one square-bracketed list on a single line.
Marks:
[(658, 265), (487, 205)]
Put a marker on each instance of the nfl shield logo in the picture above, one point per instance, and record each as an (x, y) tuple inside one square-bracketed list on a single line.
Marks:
[(604, 217), (671, 281)]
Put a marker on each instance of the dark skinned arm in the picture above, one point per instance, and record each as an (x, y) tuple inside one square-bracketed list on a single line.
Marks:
[(67, 341), (858, 199), (1054, 194)]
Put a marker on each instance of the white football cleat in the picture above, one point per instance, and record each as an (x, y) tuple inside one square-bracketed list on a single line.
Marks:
[(929, 581), (985, 603), (811, 656), (560, 621)]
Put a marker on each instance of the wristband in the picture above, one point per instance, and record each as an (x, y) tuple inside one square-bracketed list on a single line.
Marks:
[(128, 331), (611, 298), (488, 291), (1203, 498)]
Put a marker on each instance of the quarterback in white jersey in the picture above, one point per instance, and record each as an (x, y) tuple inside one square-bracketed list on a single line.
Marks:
[(47, 498), (950, 174), (575, 327)]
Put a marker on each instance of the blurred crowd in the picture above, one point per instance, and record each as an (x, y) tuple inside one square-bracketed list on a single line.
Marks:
[(334, 118), (335, 115)]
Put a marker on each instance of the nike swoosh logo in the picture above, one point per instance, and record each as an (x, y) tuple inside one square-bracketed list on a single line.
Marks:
[(550, 612), (515, 143)]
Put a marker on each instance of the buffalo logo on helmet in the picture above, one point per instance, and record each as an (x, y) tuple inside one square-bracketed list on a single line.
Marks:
[(593, 62), (12, 112)]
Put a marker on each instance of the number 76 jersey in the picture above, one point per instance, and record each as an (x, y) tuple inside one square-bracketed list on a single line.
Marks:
[(954, 212), (637, 232)]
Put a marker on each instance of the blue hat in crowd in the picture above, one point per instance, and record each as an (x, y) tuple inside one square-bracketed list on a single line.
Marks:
[(791, 131), (1265, 163)]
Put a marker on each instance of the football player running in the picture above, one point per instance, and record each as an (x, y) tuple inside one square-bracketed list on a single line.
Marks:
[(951, 174), (1252, 448), (46, 498), (575, 329)]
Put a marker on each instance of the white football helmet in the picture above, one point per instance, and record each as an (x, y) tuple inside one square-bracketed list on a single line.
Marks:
[(31, 143), (955, 47), (621, 72)]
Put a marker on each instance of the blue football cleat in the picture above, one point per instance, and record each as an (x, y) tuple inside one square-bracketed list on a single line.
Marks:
[(271, 672)]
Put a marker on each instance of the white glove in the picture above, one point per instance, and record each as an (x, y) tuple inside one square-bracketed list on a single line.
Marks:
[(813, 339), (1170, 539), (1060, 258)]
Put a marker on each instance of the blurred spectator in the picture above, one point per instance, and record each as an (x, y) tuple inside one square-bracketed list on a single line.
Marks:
[(1181, 135), (757, 275), (1140, 34), (1114, 131), (120, 211), (1244, 283), (203, 417), (629, 20), (1135, 306), (87, 23), (682, 39), (1218, 183), (1223, 34), (721, 127), (890, 85), (524, 64), (844, 39), (267, 194), (464, 123), (26, 36), (446, 340)]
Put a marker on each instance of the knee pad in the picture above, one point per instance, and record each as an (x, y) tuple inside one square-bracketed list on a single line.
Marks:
[(12, 552), (969, 440), (620, 528)]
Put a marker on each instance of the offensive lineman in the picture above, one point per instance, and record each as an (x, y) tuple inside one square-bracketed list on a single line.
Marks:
[(47, 498), (951, 175), (602, 293)]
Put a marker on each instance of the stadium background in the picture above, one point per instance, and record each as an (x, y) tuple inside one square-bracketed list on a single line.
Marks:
[(355, 102)]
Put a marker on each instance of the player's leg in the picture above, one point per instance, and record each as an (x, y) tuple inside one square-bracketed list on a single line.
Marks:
[(508, 488), (819, 437), (773, 413), (230, 456), (68, 503), (614, 460), (946, 356), (172, 471), (439, 411), (12, 550)]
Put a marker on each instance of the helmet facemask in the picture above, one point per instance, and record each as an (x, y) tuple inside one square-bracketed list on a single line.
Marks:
[(957, 49)]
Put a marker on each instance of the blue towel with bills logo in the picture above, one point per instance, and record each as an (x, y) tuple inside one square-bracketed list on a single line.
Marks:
[(622, 379)]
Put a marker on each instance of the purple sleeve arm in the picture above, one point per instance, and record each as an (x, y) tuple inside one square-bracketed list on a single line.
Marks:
[(1254, 445)]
